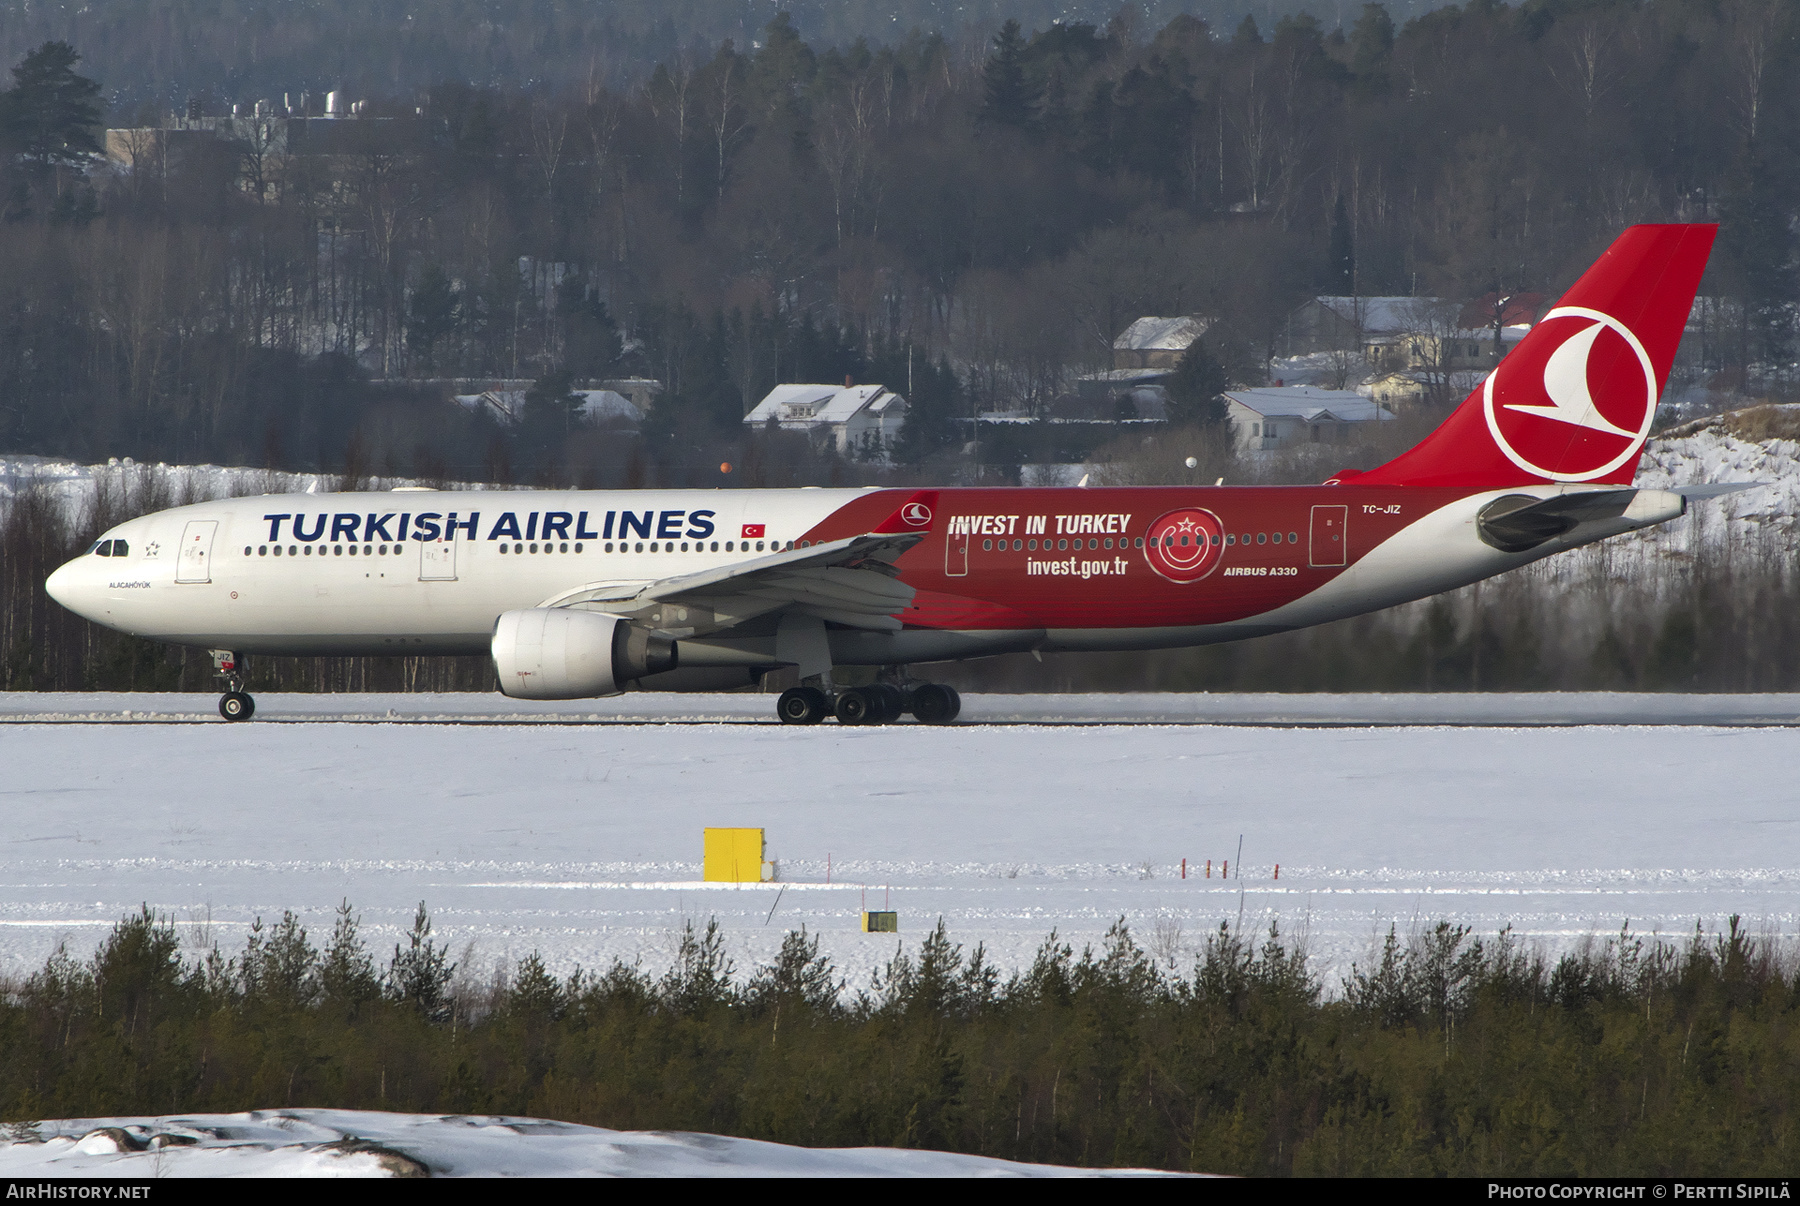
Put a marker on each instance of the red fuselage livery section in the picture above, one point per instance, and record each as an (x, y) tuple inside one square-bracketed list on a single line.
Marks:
[(578, 593)]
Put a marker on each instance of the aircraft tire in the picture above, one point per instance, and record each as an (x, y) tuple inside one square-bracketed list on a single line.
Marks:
[(802, 705), (855, 706), (237, 705), (892, 700), (935, 703)]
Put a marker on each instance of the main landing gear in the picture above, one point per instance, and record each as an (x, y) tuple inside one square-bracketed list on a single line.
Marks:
[(236, 703), (878, 703)]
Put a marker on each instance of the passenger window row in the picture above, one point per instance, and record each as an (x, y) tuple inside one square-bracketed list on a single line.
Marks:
[(697, 546), (1095, 542), (371, 550), (296, 550)]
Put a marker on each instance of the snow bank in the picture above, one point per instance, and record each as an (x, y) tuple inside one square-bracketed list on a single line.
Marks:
[(368, 1143), (75, 486)]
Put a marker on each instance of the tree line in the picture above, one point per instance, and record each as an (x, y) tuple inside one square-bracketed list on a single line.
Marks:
[(1447, 1054), (971, 227), (166, 52)]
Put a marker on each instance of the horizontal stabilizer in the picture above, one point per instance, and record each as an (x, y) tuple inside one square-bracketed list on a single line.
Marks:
[(1714, 489), (1517, 523)]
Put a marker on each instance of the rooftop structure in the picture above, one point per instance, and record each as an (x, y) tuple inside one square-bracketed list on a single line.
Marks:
[(1283, 416), (854, 417), (1155, 343), (599, 406)]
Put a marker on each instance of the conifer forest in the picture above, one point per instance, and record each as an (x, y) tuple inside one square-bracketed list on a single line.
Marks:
[(1450, 1054)]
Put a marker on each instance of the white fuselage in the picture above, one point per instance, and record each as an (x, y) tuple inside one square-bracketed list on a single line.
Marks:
[(225, 575)]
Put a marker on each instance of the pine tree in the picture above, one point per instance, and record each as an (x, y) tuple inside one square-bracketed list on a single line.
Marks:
[(347, 973), (435, 308), (1755, 256), (420, 972), (1007, 100), (1371, 42), (49, 114), (1194, 388)]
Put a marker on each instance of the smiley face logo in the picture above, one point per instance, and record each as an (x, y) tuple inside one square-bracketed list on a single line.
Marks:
[(1186, 545), (1575, 406)]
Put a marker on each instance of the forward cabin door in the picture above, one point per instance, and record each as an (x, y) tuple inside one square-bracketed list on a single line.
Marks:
[(195, 562), (437, 560), (956, 550), (1329, 544)]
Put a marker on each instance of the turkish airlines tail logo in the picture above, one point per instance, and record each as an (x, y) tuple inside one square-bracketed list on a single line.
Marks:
[(1576, 406), (1565, 380), (1575, 400)]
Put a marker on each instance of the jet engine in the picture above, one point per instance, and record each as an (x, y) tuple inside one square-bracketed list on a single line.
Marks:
[(557, 653)]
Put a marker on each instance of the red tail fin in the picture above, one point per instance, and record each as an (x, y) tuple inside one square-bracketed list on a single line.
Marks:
[(1573, 402)]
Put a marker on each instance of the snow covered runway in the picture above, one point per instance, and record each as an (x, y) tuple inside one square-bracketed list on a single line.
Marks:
[(583, 841)]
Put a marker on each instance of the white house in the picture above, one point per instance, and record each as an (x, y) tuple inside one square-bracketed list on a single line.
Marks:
[(1144, 354), (1284, 416), (1156, 343), (854, 417)]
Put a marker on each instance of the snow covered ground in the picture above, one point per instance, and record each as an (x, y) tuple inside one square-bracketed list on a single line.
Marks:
[(583, 842), (75, 485), (366, 1143)]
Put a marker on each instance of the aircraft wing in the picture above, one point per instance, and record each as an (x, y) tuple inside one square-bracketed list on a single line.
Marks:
[(850, 581)]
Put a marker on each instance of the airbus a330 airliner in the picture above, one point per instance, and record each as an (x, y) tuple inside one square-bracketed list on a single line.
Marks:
[(578, 594)]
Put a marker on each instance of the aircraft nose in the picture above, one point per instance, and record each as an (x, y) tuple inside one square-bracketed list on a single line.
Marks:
[(64, 585)]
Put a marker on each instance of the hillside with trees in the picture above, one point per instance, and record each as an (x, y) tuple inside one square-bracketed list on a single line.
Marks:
[(162, 53), (976, 228)]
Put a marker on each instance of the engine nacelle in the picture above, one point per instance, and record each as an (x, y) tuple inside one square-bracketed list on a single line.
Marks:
[(557, 653)]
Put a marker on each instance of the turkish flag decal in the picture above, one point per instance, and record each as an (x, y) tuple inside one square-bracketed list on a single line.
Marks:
[(752, 531)]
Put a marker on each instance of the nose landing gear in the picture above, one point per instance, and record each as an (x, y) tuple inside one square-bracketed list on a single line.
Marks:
[(236, 703)]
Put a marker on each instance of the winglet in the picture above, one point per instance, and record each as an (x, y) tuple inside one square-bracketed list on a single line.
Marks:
[(913, 515)]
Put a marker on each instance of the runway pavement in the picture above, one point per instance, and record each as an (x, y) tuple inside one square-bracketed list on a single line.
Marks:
[(1525, 709)]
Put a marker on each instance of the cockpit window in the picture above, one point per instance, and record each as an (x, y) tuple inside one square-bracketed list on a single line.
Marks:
[(102, 548), (120, 548)]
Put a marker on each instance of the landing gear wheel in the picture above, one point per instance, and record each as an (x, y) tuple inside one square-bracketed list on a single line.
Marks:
[(891, 700), (935, 703), (802, 705), (857, 706), (237, 705)]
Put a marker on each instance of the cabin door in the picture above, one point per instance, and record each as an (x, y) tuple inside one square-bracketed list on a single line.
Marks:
[(956, 554), (1329, 537), (437, 560), (195, 562)]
